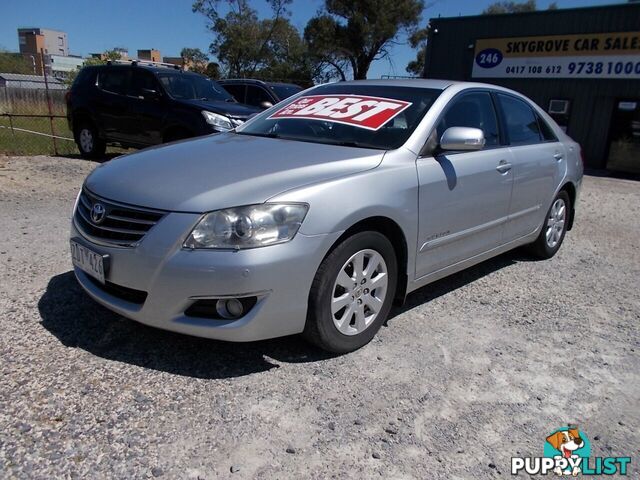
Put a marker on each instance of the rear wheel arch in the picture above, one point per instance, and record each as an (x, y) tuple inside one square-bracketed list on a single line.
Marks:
[(82, 117), (570, 188)]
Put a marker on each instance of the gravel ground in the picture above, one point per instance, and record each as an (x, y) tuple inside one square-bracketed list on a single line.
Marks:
[(473, 370)]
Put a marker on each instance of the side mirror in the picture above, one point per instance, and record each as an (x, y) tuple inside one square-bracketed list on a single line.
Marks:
[(150, 94), (266, 105), (462, 138)]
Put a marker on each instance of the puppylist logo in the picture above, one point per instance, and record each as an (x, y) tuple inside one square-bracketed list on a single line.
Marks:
[(567, 451)]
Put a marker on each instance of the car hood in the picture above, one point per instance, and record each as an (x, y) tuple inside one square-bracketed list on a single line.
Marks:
[(230, 109), (223, 170)]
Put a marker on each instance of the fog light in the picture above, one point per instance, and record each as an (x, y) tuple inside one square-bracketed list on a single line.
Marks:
[(229, 308)]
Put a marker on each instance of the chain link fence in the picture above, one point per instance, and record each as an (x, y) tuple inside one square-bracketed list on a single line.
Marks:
[(33, 122), (33, 107)]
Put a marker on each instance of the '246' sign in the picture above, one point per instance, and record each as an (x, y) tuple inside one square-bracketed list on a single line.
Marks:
[(489, 58)]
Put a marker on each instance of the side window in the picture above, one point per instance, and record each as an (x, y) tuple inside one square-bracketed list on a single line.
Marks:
[(236, 91), (546, 131), (521, 123), (113, 80), (473, 110), (142, 80), (257, 95)]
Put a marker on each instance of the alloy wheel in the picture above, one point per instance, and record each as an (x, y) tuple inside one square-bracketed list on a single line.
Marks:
[(359, 292), (555, 222), (86, 140)]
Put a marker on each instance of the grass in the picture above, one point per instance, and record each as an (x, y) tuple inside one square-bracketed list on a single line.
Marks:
[(24, 143)]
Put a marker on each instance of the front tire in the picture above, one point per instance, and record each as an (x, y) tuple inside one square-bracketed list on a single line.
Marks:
[(89, 143), (554, 228), (352, 293)]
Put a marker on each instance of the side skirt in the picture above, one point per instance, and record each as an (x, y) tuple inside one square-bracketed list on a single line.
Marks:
[(469, 262)]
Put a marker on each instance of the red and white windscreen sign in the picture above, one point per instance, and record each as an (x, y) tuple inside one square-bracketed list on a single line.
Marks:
[(357, 110)]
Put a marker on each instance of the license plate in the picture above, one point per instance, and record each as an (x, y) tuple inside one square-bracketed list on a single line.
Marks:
[(87, 260)]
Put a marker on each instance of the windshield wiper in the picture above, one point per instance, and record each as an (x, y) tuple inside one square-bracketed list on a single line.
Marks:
[(353, 144), (259, 134)]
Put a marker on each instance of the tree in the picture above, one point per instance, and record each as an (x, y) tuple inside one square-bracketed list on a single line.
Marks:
[(213, 70), (418, 39), (320, 41), (360, 31), (247, 46), (195, 60), (509, 6)]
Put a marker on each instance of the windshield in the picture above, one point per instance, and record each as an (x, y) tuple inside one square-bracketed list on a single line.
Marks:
[(193, 87), (285, 91), (365, 116)]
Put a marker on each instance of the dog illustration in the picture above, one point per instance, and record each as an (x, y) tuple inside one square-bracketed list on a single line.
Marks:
[(566, 443)]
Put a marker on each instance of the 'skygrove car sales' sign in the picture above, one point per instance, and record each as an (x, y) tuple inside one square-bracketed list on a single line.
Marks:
[(602, 55), (360, 111)]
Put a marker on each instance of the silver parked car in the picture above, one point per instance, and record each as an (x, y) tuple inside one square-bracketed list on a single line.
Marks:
[(315, 215)]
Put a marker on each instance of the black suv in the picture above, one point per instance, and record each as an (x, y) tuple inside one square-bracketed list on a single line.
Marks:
[(258, 93), (136, 105)]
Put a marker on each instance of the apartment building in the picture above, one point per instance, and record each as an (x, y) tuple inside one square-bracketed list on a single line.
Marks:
[(35, 40), (151, 55)]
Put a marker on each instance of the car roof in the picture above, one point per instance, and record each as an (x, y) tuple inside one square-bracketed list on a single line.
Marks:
[(406, 82), (151, 68), (257, 82), (430, 83)]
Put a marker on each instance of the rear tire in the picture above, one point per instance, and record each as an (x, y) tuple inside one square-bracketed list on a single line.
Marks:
[(554, 228), (352, 293), (89, 143)]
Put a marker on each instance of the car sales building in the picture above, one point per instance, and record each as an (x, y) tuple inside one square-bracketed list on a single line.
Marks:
[(581, 65)]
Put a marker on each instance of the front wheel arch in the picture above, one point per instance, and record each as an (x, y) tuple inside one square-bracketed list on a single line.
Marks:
[(394, 233)]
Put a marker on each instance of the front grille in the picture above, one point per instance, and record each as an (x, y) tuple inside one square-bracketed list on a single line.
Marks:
[(127, 294), (111, 223)]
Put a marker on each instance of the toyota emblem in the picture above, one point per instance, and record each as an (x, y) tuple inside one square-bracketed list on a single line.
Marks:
[(98, 212)]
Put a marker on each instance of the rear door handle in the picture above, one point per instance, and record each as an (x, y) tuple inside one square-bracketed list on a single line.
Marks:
[(558, 156), (503, 166)]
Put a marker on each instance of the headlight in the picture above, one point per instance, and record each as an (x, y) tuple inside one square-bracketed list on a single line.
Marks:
[(217, 120), (248, 227)]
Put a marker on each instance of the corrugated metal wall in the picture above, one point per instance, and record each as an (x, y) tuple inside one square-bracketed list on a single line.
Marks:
[(450, 55)]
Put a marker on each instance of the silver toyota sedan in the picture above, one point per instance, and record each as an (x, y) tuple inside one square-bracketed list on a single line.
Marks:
[(315, 216)]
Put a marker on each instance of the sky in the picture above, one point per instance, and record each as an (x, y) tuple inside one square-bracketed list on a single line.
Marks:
[(170, 25)]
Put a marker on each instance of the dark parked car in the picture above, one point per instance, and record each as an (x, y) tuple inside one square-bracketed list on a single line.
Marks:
[(258, 93), (137, 105)]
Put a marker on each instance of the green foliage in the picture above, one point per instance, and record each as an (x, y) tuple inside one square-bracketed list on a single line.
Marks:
[(510, 6), (17, 63), (342, 40), (213, 71), (195, 59), (418, 39), (360, 31), (247, 46)]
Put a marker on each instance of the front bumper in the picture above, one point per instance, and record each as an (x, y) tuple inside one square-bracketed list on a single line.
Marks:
[(173, 278)]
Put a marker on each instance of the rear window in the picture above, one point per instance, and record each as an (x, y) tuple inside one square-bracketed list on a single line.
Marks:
[(84, 77), (193, 87), (114, 81), (364, 116), (285, 91), (546, 131), (522, 124)]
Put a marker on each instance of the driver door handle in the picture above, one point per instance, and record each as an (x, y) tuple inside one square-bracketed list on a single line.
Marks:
[(503, 166), (558, 156)]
